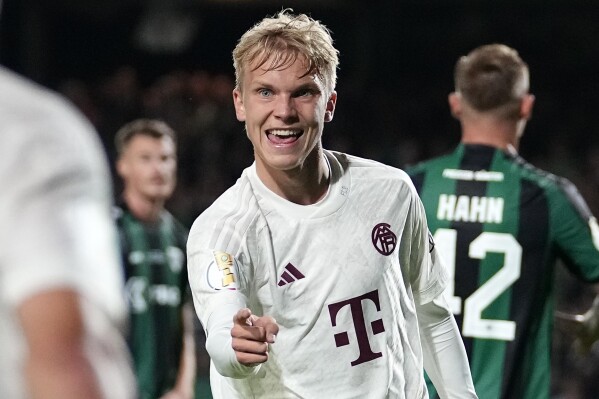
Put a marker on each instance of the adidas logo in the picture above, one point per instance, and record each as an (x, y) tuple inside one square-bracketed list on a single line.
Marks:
[(290, 275)]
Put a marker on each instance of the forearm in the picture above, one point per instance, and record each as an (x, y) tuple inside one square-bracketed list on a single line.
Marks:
[(445, 358), (61, 376), (219, 344), (184, 385), (57, 364)]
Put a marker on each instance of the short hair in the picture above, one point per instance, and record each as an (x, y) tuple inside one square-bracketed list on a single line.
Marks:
[(146, 127), (494, 78), (287, 37)]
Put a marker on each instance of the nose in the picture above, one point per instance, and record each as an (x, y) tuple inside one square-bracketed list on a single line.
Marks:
[(160, 165), (285, 107)]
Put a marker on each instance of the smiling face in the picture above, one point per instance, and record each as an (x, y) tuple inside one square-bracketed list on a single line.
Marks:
[(148, 167), (284, 114)]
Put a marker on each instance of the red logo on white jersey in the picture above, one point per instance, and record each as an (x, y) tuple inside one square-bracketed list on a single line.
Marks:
[(383, 239), (290, 275), (366, 353)]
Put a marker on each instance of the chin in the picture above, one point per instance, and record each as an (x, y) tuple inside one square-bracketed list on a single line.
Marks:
[(160, 194), (283, 166), (285, 162)]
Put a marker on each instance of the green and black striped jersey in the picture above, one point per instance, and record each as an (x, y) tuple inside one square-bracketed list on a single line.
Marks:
[(500, 224), (156, 286)]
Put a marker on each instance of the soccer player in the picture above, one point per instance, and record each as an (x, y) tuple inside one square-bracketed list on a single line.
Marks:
[(62, 312), (315, 275), (153, 250), (500, 223)]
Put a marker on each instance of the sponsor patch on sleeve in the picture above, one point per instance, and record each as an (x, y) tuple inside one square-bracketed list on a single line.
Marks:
[(222, 272), (431, 242)]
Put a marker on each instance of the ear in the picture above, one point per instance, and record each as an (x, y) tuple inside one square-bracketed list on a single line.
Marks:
[(526, 106), (455, 104), (330, 109), (122, 168), (239, 107)]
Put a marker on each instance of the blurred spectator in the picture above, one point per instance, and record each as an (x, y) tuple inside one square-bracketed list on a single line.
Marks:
[(153, 250)]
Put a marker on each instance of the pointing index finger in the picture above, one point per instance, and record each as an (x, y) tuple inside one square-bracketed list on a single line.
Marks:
[(243, 317)]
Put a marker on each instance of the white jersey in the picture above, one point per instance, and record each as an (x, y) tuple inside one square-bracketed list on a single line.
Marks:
[(340, 277), (55, 230)]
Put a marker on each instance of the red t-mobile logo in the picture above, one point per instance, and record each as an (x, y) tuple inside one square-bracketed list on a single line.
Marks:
[(355, 306)]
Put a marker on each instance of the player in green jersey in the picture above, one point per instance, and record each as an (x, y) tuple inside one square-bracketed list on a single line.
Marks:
[(153, 247), (500, 224)]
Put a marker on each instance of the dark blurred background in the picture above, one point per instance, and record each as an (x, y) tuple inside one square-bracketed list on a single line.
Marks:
[(122, 59), (119, 59)]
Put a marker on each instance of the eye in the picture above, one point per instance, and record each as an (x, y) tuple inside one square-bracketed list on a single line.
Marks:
[(264, 92), (304, 93)]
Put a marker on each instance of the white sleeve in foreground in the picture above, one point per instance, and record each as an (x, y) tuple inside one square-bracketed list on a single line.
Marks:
[(445, 358), (218, 343)]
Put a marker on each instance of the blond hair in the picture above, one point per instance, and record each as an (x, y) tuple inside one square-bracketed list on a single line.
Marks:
[(493, 78), (283, 39)]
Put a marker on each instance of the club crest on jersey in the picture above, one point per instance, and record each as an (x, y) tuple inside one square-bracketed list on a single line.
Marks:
[(383, 239), (221, 274)]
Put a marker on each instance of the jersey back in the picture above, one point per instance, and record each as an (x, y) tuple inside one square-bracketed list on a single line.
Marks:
[(499, 224)]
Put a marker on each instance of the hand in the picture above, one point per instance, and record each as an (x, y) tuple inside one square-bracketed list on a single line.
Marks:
[(584, 326), (252, 336)]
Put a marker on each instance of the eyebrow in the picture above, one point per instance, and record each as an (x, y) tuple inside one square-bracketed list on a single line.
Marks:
[(303, 86)]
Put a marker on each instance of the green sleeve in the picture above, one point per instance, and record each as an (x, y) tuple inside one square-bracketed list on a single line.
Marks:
[(574, 231)]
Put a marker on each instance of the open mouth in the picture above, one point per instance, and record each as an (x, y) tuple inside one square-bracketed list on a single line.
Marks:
[(284, 136)]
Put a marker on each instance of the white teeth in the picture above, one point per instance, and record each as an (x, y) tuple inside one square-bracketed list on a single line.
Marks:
[(285, 133)]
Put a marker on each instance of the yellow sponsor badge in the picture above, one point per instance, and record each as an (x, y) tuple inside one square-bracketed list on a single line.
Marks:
[(222, 272)]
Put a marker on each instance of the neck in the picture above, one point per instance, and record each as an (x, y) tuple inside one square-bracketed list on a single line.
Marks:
[(145, 209), (304, 185), (492, 132)]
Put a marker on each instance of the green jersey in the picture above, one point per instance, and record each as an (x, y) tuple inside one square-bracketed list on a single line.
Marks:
[(156, 288), (500, 224)]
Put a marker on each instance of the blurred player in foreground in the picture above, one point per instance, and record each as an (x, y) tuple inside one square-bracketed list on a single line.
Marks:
[(326, 252), (500, 223), (153, 249), (61, 291)]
